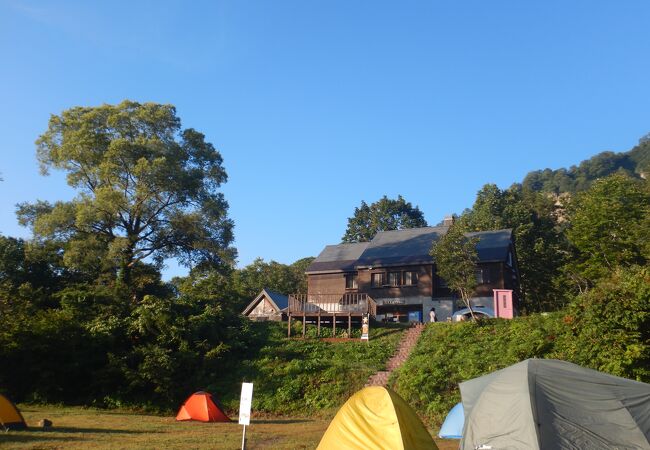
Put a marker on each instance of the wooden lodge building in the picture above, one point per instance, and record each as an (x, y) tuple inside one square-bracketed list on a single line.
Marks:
[(393, 277)]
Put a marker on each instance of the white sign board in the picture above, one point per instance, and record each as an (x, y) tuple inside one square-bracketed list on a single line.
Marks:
[(245, 403)]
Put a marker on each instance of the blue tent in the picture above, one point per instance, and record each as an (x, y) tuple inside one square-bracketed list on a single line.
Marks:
[(452, 428)]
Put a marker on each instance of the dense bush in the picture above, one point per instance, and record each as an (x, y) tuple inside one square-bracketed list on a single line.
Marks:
[(608, 328)]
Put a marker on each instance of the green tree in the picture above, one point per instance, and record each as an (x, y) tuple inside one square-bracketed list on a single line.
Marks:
[(286, 279), (608, 327), (456, 257), (148, 190), (383, 215), (539, 243), (608, 226)]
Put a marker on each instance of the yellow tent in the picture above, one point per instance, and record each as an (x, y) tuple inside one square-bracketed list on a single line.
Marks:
[(376, 418), (10, 417)]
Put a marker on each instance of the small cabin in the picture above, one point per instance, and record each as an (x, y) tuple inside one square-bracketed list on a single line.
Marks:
[(268, 305)]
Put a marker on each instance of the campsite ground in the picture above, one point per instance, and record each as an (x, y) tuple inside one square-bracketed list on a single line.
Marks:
[(83, 428)]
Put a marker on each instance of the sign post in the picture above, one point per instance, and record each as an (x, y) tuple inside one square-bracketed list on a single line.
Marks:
[(245, 409), (365, 327)]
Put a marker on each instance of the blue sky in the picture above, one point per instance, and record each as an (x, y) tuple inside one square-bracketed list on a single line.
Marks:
[(317, 105)]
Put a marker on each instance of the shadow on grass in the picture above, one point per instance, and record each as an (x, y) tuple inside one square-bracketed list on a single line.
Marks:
[(6, 438), (41, 432), (281, 421)]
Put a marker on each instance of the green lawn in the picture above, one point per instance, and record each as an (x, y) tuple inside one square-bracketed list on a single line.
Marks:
[(83, 428)]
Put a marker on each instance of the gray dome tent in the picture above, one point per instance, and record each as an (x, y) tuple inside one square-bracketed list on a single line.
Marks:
[(550, 404)]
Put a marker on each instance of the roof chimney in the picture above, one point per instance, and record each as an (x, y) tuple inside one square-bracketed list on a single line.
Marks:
[(448, 220)]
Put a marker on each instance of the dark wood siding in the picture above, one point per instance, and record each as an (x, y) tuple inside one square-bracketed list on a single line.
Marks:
[(326, 283)]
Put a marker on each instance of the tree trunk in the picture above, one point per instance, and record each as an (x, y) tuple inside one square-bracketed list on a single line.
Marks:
[(466, 299)]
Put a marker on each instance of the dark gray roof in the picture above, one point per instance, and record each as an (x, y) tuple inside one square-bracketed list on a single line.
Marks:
[(282, 301), (405, 247), (409, 246), (493, 245), (338, 258)]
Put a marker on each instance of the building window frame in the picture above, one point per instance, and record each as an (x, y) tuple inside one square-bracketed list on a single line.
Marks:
[(377, 279), (483, 275), (394, 278), (351, 282), (410, 278)]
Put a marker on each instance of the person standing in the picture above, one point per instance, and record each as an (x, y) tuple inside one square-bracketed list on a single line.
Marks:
[(432, 315)]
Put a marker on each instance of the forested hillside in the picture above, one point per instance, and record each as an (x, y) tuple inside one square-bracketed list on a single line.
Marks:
[(634, 163)]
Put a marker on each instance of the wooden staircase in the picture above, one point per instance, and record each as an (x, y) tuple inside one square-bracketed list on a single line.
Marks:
[(403, 351)]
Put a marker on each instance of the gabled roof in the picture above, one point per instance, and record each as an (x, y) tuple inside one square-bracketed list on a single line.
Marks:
[(337, 258), (405, 247), (279, 301)]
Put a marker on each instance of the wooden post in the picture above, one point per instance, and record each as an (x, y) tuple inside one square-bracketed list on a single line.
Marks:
[(333, 324), (349, 325), (318, 327), (289, 326), (304, 325)]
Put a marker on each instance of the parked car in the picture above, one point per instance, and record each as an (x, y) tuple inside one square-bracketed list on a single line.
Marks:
[(479, 310)]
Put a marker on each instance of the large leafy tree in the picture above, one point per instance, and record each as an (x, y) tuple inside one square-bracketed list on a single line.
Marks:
[(383, 215), (609, 228), (456, 257), (286, 279), (147, 189), (539, 243)]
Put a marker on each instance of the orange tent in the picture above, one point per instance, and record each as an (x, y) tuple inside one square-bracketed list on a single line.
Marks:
[(199, 406), (10, 417)]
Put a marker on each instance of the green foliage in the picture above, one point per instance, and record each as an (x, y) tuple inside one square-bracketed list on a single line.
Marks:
[(540, 246), (580, 178), (609, 228), (147, 189), (609, 326), (286, 279), (383, 215)]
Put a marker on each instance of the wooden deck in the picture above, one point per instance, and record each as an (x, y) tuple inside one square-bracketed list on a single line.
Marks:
[(330, 308)]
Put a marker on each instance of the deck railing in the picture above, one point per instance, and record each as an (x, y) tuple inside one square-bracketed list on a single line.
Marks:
[(332, 303)]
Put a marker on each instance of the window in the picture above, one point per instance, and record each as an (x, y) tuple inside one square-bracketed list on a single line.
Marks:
[(394, 278), (377, 279), (410, 278), (442, 283), (483, 276), (351, 281)]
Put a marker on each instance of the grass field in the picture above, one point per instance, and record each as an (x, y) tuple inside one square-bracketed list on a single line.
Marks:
[(82, 428)]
